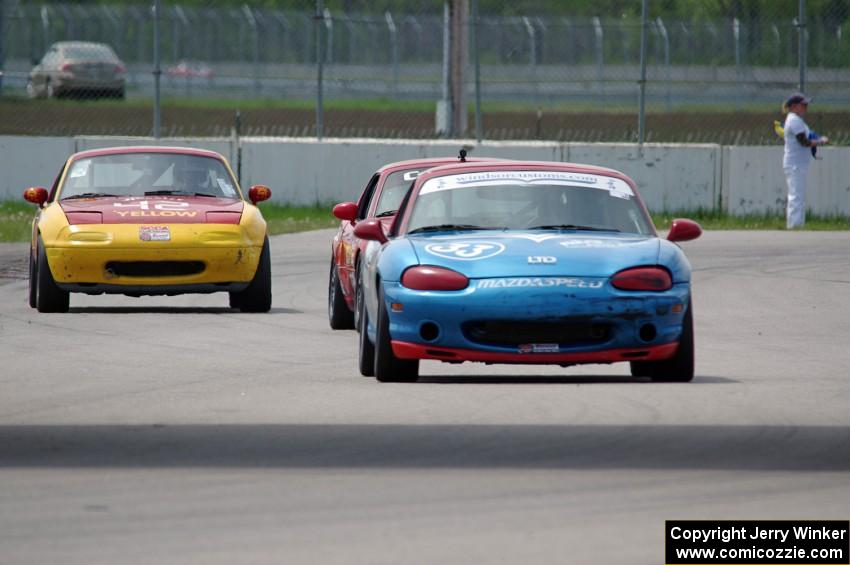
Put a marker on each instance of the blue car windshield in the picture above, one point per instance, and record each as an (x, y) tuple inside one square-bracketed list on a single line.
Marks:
[(526, 200)]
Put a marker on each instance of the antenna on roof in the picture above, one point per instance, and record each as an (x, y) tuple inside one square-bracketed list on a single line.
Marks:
[(462, 155)]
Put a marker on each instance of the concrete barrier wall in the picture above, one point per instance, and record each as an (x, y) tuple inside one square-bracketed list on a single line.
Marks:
[(300, 171), (30, 161), (669, 177), (305, 172)]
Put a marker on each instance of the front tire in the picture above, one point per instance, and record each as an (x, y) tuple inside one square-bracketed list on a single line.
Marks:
[(49, 297), (339, 316), (366, 352), (33, 280), (358, 295), (388, 367), (680, 367), (258, 296)]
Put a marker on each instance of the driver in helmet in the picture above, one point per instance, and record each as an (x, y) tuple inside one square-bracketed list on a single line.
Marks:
[(190, 176)]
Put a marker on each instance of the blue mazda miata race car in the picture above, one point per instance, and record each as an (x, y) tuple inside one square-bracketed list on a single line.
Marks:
[(525, 262)]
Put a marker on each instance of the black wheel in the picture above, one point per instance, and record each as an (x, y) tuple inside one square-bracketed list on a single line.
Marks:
[(33, 281), (49, 297), (680, 367), (233, 299), (366, 352), (388, 367), (339, 315), (258, 296)]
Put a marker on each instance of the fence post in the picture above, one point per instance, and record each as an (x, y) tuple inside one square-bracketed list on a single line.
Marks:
[(393, 49), (642, 81), (2, 40), (459, 48), (255, 43), (663, 31), (600, 55), (320, 67), (329, 40), (444, 106), (777, 39), (532, 40), (45, 28), (157, 72), (736, 33), (801, 45), (476, 48)]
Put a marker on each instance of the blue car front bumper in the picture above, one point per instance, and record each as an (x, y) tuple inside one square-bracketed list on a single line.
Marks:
[(536, 320)]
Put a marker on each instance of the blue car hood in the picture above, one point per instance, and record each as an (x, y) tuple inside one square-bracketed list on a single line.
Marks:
[(488, 254)]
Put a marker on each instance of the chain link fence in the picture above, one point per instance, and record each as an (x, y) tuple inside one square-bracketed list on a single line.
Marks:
[(537, 69)]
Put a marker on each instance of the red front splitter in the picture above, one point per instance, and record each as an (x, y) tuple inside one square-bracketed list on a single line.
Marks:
[(406, 350)]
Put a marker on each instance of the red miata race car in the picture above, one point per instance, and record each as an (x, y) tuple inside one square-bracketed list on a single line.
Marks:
[(380, 199)]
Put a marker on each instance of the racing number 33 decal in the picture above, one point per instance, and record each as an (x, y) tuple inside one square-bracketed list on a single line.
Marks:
[(465, 251)]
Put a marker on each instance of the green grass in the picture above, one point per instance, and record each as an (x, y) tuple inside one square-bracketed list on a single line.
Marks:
[(710, 220), (389, 105), (15, 219), (289, 219), (373, 104)]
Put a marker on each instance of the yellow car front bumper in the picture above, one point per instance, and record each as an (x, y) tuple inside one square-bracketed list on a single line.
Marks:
[(95, 255)]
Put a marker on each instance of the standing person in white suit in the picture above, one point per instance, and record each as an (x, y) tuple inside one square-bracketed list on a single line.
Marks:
[(798, 155)]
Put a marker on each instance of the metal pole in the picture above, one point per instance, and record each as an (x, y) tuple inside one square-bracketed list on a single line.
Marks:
[(157, 72), (642, 81), (444, 108), (600, 55), (2, 40), (532, 40), (320, 64), (477, 58), (45, 28), (457, 59), (801, 44), (393, 31), (255, 44), (329, 40), (663, 31)]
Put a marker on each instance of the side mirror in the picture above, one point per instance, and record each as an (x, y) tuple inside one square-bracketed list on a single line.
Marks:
[(684, 230), (346, 211), (37, 195), (259, 192), (370, 230)]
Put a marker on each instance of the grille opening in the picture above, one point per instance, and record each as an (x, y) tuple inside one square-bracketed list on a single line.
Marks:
[(154, 268), (635, 354), (512, 333), (647, 332), (429, 331)]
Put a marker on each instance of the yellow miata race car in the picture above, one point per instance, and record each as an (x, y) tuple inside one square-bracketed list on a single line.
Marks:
[(148, 221)]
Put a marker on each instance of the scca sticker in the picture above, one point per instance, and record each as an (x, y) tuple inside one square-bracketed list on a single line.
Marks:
[(465, 250)]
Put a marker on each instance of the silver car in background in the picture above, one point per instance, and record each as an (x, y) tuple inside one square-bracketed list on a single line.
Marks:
[(78, 68)]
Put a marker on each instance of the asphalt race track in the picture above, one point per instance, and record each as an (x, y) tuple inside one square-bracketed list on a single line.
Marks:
[(173, 430)]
